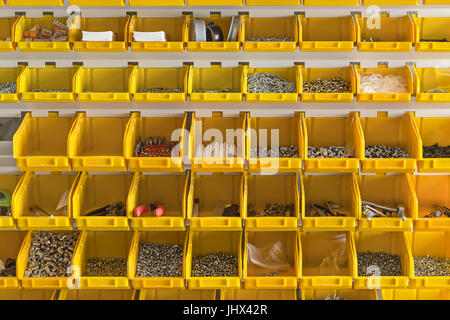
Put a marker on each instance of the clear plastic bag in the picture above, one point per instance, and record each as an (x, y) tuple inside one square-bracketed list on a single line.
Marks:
[(337, 256), (272, 256)]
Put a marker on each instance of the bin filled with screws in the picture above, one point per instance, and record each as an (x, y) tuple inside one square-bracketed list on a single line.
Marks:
[(428, 266), (329, 152), (221, 264), (272, 210), (106, 267), (329, 209), (289, 151), (8, 87), (8, 268), (384, 152), (331, 85), (436, 151), (387, 264), (271, 84)]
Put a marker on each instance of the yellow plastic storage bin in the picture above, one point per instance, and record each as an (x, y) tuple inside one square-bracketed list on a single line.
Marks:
[(257, 294), (24, 24), (272, 2), (258, 277), (97, 2), (144, 128), (434, 244), (342, 190), (415, 294), (215, 2), (324, 132), (214, 192), (177, 294), (7, 30), (170, 190), (388, 242), (432, 191), (96, 144), (165, 78), (209, 242), (35, 3), (330, 3), (390, 131), (288, 74), (318, 249), (41, 143), (261, 190), (27, 294), (285, 131), (335, 34), (10, 243), (10, 75), (104, 84), (94, 191), (170, 237), (388, 34), (119, 26), (156, 2), (429, 80), (42, 193), (216, 84), (347, 294), (173, 27), (429, 29), (41, 282), (392, 191), (213, 46), (390, 2), (220, 128), (269, 27), (433, 130), (9, 183), (92, 294), (403, 97), (436, 2)]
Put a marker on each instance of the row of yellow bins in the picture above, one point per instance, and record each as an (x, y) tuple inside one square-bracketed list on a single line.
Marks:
[(304, 251), (395, 34), (84, 143), (88, 191)]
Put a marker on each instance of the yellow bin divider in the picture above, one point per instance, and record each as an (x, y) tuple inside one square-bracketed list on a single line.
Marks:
[(24, 24), (175, 29), (285, 131), (215, 3), (256, 294), (428, 80), (7, 29), (433, 130), (427, 28), (214, 191), (97, 2), (261, 190), (390, 131), (229, 130), (317, 250), (41, 143), (434, 244), (395, 34), (103, 244), (10, 183), (118, 25), (162, 237), (324, 132), (390, 2), (177, 294), (330, 3), (93, 294), (258, 277), (10, 244), (269, 27), (342, 190), (42, 282), (27, 294), (10, 75), (95, 191), (336, 34), (415, 294), (35, 3), (203, 243), (432, 191), (288, 74), (388, 242), (166, 78), (44, 191), (96, 144), (390, 190), (347, 294), (272, 2), (170, 190)]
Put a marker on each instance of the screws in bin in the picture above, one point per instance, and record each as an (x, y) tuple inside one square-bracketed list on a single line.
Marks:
[(388, 264), (8, 268), (8, 87), (428, 266), (159, 260), (289, 151), (117, 209), (436, 151), (330, 209), (329, 152), (161, 90), (440, 212), (272, 210), (331, 85), (434, 40), (215, 265), (269, 83), (155, 147), (381, 151), (106, 267), (373, 210), (270, 39)]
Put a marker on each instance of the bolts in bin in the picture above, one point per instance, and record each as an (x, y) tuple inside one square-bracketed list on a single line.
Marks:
[(158, 209)]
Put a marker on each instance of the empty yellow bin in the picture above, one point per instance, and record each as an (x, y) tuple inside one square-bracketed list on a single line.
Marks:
[(325, 132), (262, 190), (162, 237), (433, 31), (119, 26), (283, 27), (272, 2), (432, 85), (388, 242), (99, 294), (203, 243), (342, 190), (7, 32), (96, 144), (170, 190), (97, 2), (344, 294), (10, 244), (390, 2), (220, 129), (415, 294), (209, 195), (273, 132), (258, 294), (9, 183), (159, 78), (398, 132), (330, 3), (173, 27), (327, 34), (177, 294), (25, 24), (11, 75), (35, 3), (432, 191), (27, 294), (96, 191), (317, 250), (388, 34)]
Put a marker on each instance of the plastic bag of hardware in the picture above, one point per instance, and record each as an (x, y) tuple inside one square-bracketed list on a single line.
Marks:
[(272, 256), (337, 256)]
